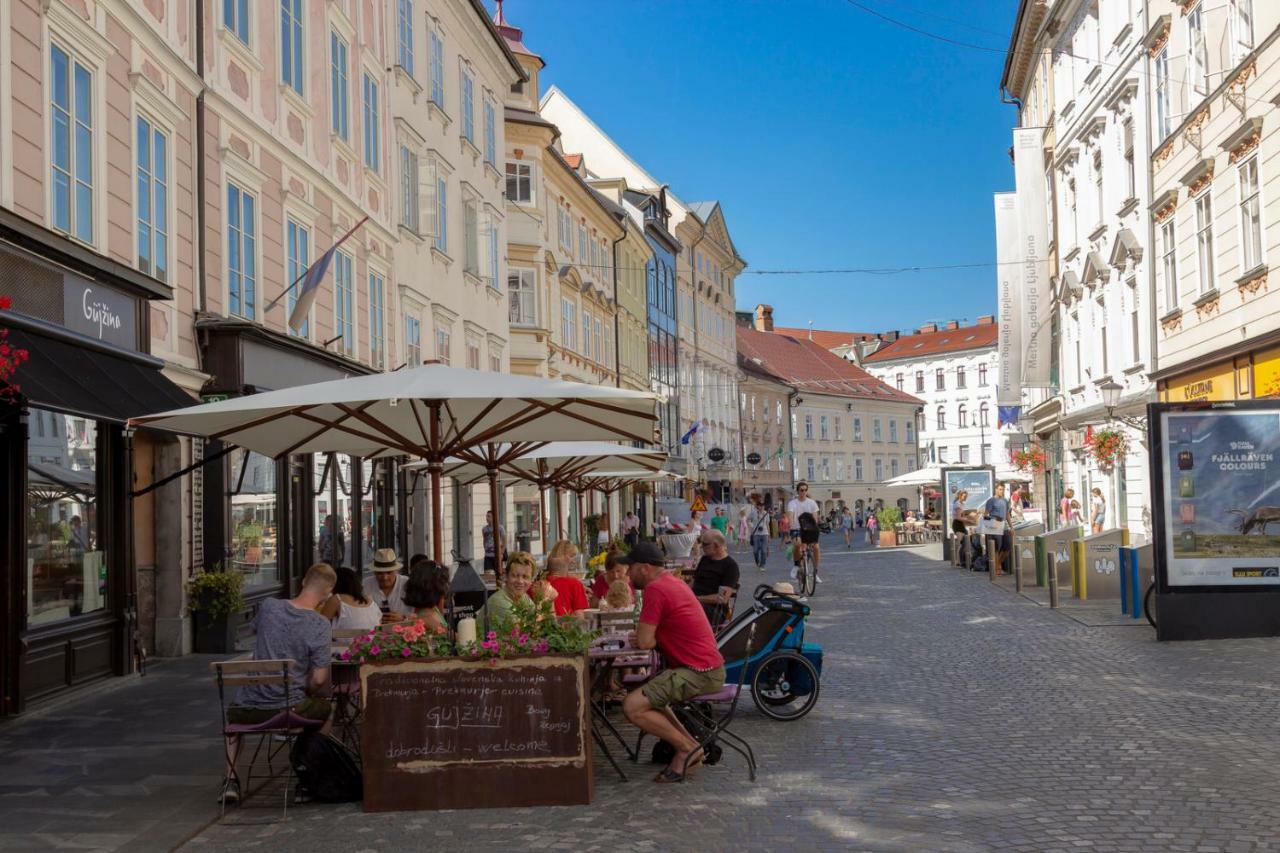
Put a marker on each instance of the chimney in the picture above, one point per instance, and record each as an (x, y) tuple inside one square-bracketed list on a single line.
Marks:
[(987, 320), (951, 326), (889, 337), (764, 318), (927, 328)]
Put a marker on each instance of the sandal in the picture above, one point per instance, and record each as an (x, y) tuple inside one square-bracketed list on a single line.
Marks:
[(668, 776)]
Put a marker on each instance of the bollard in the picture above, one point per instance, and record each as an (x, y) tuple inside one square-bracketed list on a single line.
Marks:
[(1017, 567), (1123, 555), (1053, 580)]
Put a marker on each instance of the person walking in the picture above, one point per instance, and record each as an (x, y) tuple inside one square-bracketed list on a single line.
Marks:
[(631, 529), (743, 529), (846, 524), (1064, 507), (1097, 510), (997, 508), (759, 535)]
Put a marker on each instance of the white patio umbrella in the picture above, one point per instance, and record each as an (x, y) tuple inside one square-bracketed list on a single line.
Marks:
[(929, 476), (433, 412)]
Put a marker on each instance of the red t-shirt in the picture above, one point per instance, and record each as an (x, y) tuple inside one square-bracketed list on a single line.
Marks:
[(600, 586), (682, 630), (570, 596)]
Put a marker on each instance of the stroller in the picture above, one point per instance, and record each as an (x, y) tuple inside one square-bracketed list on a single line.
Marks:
[(783, 671)]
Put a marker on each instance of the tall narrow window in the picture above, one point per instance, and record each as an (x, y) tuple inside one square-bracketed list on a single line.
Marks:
[(437, 69), (964, 454), (899, 381), (409, 199), (442, 213), (71, 145), (444, 344), (879, 467), (1241, 29), (942, 417), (473, 354), (822, 427), (582, 241), (808, 425), (344, 302), (568, 324), (522, 297), (404, 35), (1204, 240), (876, 431), (984, 414), (1130, 170), (339, 95), (586, 332), (1164, 110), (940, 379), (471, 234), (490, 133), (235, 17), (372, 124), (152, 151), (291, 66), (919, 381), (467, 92), (1197, 51), (492, 256), (242, 276), (1169, 264), (377, 320), (982, 376), (1099, 200), (910, 431), (857, 428), (893, 431), (1106, 349), (298, 246), (960, 377), (1250, 215), (962, 416), (520, 184), (1135, 333), (412, 340)]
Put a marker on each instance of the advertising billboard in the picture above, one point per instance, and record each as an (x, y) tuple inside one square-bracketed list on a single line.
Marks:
[(1218, 496), (978, 482)]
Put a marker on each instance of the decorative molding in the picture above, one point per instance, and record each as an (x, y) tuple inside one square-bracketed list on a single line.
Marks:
[(1164, 205), (1172, 322), (1122, 95), (1161, 154), (1158, 36), (1251, 281), (1185, 5), (1198, 176), (1243, 139), (1208, 303), (1195, 125), (1093, 128)]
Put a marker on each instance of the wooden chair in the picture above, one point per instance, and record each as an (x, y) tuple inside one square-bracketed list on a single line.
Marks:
[(283, 722)]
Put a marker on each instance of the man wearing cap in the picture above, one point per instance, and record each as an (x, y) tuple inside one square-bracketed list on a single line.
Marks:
[(386, 587), (672, 621)]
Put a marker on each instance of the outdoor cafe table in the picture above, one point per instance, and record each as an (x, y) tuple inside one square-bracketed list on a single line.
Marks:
[(609, 654)]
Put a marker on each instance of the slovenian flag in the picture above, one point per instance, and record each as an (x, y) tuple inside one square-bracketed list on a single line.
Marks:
[(309, 283), (697, 425)]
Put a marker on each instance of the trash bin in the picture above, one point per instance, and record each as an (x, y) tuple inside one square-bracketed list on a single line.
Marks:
[(1053, 551), (1024, 544), (524, 541)]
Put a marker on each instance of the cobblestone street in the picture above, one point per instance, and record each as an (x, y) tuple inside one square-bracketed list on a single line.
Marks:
[(953, 716)]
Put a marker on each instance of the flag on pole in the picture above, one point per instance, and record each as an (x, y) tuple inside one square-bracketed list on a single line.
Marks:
[(693, 430), (308, 283), (1007, 415)]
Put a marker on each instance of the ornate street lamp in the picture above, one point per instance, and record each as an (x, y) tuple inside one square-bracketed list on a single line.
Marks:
[(1111, 391)]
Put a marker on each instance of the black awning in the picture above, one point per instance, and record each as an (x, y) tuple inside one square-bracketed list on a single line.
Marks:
[(94, 383)]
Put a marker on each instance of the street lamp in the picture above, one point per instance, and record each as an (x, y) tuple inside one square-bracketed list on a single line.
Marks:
[(1111, 391)]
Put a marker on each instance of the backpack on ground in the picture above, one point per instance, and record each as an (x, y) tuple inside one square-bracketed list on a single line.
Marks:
[(326, 769)]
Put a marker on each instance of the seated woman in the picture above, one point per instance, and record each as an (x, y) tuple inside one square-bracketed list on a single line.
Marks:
[(571, 597), (516, 585), (426, 591), (349, 609), (614, 571), (565, 550)]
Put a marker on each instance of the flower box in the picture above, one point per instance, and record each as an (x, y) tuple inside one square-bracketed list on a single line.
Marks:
[(476, 732)]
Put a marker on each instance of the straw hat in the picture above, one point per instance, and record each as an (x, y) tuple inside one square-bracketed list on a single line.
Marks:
[(784, 588), (384, 560)]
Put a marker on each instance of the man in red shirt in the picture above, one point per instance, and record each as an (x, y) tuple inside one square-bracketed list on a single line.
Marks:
[(671, 620)]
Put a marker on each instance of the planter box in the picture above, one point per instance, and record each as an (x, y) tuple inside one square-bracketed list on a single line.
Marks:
[(888, 539), (457, 733), (216, 636)]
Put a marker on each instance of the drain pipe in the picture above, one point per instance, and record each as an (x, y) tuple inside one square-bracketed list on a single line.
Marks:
[(201, 279)]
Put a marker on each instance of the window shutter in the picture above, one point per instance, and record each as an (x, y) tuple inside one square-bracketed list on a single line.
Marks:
[(427, 198)]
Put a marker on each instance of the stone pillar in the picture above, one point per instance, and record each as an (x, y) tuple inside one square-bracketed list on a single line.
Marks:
[(173, 526)]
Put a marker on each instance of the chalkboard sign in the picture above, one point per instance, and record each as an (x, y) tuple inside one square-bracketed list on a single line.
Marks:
[(453, 733)]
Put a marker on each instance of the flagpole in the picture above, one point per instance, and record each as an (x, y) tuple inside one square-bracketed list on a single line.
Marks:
[(297, 280)]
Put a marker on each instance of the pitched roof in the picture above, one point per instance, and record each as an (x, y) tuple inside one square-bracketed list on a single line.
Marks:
[(807, 366), (574, 160), (703, 209), (825, 338), (964, 338)]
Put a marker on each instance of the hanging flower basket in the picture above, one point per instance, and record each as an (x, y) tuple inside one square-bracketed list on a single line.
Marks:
[(1107, 446), (1032, 459), (10, 358)]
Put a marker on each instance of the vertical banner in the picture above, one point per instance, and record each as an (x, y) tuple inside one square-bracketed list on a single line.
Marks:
[(1033, 250), (1008, 301)]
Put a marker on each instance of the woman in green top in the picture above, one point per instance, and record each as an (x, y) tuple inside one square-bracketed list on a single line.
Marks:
[(426, 591), (515, 587)]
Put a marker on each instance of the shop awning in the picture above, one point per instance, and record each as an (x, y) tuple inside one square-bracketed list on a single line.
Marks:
[(90, 382)]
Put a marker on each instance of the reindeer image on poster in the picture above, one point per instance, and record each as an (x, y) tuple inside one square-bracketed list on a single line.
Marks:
[(1259, 518)]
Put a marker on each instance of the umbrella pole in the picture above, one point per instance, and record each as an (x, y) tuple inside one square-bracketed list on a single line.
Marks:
[(559, 522), (582, 527), (542, 515), (435, 464), (495, 529)]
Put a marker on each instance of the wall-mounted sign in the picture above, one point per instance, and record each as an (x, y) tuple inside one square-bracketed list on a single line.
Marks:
[(97, 311), (1215, 383), (715, 454), (753, 458)]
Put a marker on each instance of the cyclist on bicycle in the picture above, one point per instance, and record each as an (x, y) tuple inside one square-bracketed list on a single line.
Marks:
[(802, 505)]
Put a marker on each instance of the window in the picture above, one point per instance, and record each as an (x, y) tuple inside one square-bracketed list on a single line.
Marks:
[(893, 431), (410, 209), (1164, 110), (960, 380), (339, 99), (808, 425), (940, 379), (982, 376), (910, 431), (839, 421), (442, 212), (344, 302), (826, 469), (242, 276), (1079, 363), (809, 469), (495, 362), (879, 468), (1130, 170), (875, 430), (444, 343), (471, 234), (473, 354), (372, 127), (436, 43), (984, 414), (1072, 227), (152, 152), (857, 429), (568, 324), (899, 381), (291, 73), (1134, 333), (298, 240), (492, 256), (467, 94), (71, 145), (520, 183), (1197, 51), (1098, 200), (377, 320), (404, 35), (962, 419), (1169, 264), (822, 427), (893, 467), (942, 418), (564, 227), (964, 453), (919, 381), (1241, 12), (1250, 215), (986, 454), (778, 414), (1204, 240), (586, 333), (522, 297), (235, 17), (582, 241), (412, 340), (490, 133), (857, 469), (606, 262), (840, 469)]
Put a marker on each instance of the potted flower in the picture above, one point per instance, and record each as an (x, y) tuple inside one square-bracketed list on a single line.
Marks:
[(400, 641), (1107, 446), (215, 599), (888, 519), (1031, 459)]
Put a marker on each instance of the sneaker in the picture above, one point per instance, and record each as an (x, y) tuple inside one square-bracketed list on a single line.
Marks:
[(817, 577), (230, 793), (795, 571)]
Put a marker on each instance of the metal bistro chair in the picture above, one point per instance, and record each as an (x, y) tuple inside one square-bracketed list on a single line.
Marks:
[(284, 722), (348, 705)]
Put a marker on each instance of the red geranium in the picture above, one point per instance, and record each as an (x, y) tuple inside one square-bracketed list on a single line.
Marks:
[(10, 358)]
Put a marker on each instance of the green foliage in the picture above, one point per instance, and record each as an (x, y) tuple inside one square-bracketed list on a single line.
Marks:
[(400, 641), (532, 628), (216, 593), (888, 517)]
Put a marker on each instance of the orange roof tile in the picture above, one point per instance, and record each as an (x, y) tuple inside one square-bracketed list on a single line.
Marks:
[(808, 366), (574, 160), (942, 341), (825, 338)]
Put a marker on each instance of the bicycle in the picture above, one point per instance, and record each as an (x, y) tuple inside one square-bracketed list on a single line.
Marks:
[(806, 572)]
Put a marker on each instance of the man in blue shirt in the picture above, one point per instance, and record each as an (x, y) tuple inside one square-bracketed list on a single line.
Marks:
[(997, 507)]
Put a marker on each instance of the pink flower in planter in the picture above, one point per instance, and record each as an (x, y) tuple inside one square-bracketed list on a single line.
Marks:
[(406, 652), (492, 635), (346, 655), (374, 649), (540, 647)]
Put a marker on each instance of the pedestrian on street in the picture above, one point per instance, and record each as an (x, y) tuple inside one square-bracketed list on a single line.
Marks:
[(759, 520), (846, 524), (631, 529), (1097, 510), (997, 508)]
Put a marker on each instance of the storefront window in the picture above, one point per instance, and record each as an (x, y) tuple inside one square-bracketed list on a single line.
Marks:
[(332, 495), (254, 526), (66, 565)]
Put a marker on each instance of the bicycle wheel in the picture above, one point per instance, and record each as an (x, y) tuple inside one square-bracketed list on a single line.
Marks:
[(810, 574), (785, 686)]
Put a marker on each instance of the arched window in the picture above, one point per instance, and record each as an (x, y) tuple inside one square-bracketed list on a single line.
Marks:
[(984, 415), (942, 417), (961, 411)]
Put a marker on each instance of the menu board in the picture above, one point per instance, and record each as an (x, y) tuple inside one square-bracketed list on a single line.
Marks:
[(459, 733), (1221, 496), (978, 482)]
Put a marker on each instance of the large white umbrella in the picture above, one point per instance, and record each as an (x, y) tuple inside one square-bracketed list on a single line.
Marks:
[(432, 411), (929, 476)]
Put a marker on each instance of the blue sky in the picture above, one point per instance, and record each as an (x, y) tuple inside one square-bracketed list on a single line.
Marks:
[(833, 139)]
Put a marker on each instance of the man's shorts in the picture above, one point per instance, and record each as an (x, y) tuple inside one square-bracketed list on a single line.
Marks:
[(681, 684), (312, 708)]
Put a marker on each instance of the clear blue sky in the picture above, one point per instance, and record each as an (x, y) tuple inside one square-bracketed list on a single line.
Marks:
[(832, 138)]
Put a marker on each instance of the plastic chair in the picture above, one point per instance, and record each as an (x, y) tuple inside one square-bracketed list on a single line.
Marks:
[(283, 722)]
